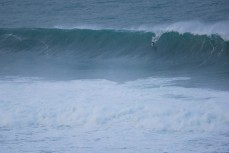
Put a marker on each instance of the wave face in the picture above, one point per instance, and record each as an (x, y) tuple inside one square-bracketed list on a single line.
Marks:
[(122, 47)]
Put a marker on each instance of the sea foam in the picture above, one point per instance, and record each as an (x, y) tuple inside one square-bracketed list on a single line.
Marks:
[(152, 103)]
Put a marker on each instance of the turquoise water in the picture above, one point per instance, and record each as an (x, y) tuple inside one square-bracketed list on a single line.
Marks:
[(114, 76)]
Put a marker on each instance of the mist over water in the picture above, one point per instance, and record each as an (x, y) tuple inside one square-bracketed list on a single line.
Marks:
[(78, 77)]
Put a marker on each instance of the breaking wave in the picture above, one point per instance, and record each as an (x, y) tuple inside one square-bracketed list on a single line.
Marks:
[(76, 45)]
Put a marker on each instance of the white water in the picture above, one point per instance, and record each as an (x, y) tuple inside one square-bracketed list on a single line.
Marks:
[(148, 115), (195, 27)]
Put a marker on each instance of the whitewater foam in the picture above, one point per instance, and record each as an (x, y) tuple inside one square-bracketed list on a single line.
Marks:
[(102, 115), (152, 103)]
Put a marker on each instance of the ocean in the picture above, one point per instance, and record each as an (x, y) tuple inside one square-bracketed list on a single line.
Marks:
[(131, 76)]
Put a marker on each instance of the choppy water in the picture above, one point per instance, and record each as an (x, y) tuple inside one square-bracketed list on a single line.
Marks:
[(83, 76)]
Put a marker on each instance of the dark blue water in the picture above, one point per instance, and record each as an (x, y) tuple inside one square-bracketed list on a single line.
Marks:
[(124, 76), (49, 13)]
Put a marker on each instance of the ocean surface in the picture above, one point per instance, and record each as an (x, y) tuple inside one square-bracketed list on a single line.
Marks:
[(105, 76)]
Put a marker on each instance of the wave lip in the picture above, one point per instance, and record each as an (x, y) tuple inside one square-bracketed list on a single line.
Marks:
[(194, 27)]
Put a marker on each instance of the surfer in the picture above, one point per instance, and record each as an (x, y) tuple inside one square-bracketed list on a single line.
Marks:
[(153, 44)]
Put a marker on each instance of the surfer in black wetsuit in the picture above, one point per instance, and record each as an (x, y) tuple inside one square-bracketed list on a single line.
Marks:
[(153, 44)]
